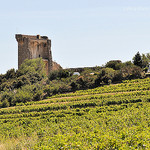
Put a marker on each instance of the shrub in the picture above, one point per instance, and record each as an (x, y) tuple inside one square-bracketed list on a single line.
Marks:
[(58, 74), (74, 86), (34, 69), (48, 91), (132, 72), (7, 95), (21, 81), (106, 74), (5, 103), (114, 64), (117, 76), (10, 74)]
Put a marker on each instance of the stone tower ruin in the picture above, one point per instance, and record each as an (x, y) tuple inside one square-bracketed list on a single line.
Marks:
[(30, 47)]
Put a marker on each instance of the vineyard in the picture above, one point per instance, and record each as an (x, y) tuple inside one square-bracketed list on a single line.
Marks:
[(111, 117)]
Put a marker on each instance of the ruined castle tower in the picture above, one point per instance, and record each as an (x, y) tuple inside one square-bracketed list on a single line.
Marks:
[(30, 47)]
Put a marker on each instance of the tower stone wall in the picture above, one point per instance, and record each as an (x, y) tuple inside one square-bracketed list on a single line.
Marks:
[(30, 47)]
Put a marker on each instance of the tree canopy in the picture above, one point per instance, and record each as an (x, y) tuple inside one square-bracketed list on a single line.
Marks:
[(137, 59)]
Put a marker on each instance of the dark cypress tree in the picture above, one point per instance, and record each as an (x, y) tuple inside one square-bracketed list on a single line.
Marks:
[(137, 60)]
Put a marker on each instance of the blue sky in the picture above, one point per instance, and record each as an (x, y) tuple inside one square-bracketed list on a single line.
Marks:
[(83, 32)]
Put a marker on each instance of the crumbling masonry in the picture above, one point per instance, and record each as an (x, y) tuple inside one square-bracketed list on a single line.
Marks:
[(30, 47)]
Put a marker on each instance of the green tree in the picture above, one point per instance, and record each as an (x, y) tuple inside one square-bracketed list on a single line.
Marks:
[(106, 76), (137, 60), (128, 63), (132, 72), (115, 64), (10, 74), (5, 103), (34, 69), (58, 74), (145, 60)]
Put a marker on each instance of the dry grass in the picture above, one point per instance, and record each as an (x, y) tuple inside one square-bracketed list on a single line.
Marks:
[(23, 143)]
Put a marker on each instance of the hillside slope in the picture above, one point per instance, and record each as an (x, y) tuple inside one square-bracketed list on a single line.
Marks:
[(109, 117)]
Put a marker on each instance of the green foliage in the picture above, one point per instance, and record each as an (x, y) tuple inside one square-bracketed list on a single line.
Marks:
[(34, 69), (74, 86), (22, 85), (114, 64), (105, 76), (10, 74), (133, 72), (7, 96), (145, 61), (21, 81), (30, 72), (141, 60), (58, 74), (28, 93), (137, 60), (83, 82), (30, 83), (128, 63), (5, 103)]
